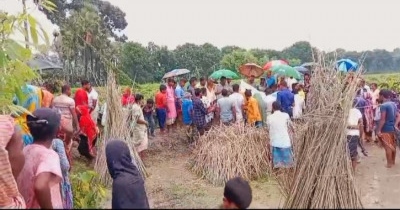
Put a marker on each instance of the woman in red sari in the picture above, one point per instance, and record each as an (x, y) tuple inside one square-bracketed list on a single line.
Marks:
[(88, 133), (81, 95)]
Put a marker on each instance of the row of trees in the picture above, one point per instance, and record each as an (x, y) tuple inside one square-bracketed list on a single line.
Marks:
[(91, 43)]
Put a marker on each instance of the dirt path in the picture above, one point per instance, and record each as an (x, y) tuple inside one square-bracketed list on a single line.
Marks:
[(171, 184)]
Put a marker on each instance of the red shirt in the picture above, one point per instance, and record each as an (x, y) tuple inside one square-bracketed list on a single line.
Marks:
[(161, 100), (81, 97), (127, 99)]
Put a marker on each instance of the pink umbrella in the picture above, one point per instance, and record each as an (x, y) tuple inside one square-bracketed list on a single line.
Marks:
[(270, 64)]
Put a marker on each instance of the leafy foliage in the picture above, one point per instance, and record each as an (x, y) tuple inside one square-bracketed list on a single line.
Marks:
[(14, 72), (87, 192), (234, 60)]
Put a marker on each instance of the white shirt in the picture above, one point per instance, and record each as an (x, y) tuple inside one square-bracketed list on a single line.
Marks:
[(238, 101), (354, 116), (269, 100), (278, 129), (290, 82), (298, 106), (93, 95), (377, 115)]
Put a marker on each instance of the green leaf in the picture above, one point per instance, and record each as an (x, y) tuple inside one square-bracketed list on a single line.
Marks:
[(3, 59), (32, 28), (16, 51)]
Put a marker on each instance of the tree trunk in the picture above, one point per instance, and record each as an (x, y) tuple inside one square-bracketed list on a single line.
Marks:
[(25, 25)]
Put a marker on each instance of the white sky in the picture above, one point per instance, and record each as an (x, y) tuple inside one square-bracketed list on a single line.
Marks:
[(327, 24)]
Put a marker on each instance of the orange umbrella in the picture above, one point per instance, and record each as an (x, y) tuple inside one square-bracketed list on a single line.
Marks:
[(251, 69)]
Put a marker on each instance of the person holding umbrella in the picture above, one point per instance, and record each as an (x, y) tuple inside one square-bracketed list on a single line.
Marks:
[(270, 80), (222, 85)]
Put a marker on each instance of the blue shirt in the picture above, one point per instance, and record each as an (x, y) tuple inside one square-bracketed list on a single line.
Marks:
[(286, 98), (187, 107), (179, 92), (390, 109), (360, 104), (270, 81)]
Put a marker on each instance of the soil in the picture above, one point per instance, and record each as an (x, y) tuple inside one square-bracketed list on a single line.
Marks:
[(172, 185)]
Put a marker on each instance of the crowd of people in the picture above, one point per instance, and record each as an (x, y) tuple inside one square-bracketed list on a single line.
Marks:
[(35, 147)]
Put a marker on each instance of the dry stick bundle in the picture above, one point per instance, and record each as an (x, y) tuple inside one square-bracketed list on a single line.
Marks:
[(229, 151), (322, 177), (117, 127)]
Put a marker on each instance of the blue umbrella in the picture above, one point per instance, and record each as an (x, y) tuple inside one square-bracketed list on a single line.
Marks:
[(176, 72), (301, 69), (346, 65)]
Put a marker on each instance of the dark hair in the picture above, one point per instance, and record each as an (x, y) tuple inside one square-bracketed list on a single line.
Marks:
[(163, 87), (197, 92), (387, 94), (247, 93), (235, 87), (276, 105), (274, 87), (65, 88), (204, 91), (84, 82), (238, 191), (170, 80), (294, 85), (306, 74), (138, 97), (44, 129), (202, 79), (183, 80), (224, 92), (150, 101), (374, 84), (193, 79), (222, 78), (268, 91)]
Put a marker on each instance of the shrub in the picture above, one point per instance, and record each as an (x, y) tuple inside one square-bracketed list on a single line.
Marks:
[(86, 191)]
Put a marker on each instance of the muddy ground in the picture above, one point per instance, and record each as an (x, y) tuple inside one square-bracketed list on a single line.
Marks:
[(172, 185)]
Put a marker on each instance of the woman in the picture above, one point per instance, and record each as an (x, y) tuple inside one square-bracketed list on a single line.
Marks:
[(139, 126), (31, 101), (127, 97), (11, 161), (128, 190), (40, 178), (171, 111), (368, 117), (66, 190), (88, 133)]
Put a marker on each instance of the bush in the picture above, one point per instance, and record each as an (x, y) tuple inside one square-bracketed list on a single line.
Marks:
[(86, 191)]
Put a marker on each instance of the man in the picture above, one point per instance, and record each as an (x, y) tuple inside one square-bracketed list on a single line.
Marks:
[(161, 107), (202, 84), (269, 99), (229, 81), (237, 194), (252, 110), (374, 94), (69, 120), (238, 101), (200, 112), (354, 131), (270, 80), (299, 104), (285, 98), (48, 91), (93, 105), (252, 81), (387, 126), (222, 85), (192, 85), (278, 123), (290, 81), (226, 109), (81, 95), (179, 94), (364, 86)]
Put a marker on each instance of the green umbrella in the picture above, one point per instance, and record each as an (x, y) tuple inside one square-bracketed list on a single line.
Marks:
[(224, 73), (286, 71)]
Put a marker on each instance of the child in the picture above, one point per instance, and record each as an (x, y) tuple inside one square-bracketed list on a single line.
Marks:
[(148, 116), (40, 178), (237, 194), (187, 108), (161, 107)]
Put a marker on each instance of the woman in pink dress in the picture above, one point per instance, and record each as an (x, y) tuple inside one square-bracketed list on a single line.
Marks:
[(40, 178), (171, 111)]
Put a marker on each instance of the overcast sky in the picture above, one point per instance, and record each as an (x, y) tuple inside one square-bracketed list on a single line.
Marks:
[(327, 24)]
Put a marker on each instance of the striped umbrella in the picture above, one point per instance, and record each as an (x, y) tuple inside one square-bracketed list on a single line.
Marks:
[(273, 63)]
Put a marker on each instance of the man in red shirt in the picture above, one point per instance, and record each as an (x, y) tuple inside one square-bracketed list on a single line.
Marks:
[(161, 107), (81, 95)]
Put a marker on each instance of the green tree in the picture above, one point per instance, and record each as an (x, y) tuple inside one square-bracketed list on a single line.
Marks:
[(300, 50), (235, 59), (261, 55), (136, 63)]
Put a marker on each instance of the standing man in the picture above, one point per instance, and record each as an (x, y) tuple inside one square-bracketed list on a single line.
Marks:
[(387, 126), (200, 112), (192, 85), (285, 98), (354, 131), (81, 95), (202, 84), (252, 110), (252, 81), (270, 80), (238, 101), (226, 109), (374, 95), (93, 104), (179, 94), (222, 85)]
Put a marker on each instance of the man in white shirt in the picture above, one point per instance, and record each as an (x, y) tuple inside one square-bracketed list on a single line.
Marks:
[(238, 100), (278, 123), (298, 106), (269, 99), (290, 81), (93, 105), (354, 129)]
